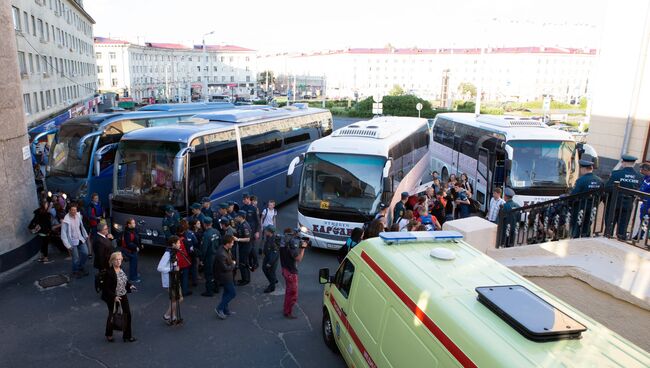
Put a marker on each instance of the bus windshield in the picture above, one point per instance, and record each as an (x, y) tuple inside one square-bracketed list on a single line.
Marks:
[(541, 164), (342, 182), (144, 174), (64, 160)]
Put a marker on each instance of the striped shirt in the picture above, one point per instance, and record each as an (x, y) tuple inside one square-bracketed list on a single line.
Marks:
[(495, 206)]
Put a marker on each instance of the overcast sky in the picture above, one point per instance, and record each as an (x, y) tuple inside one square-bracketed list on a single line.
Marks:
[(334, 24)]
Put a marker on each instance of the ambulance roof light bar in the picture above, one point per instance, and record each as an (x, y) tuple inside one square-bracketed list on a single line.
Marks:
[(418, 236)]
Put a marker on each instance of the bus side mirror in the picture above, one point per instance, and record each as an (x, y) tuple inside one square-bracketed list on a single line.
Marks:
[(179, 165), (101, 153), (292, 167), (324, 276)]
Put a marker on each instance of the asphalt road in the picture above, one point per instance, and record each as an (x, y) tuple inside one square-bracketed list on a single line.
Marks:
[(64, 326)]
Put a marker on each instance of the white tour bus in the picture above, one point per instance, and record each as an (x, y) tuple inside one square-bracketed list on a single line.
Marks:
[(537, 162), (346, 175)]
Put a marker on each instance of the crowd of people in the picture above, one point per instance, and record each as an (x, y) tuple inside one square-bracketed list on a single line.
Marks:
[(212, 247)]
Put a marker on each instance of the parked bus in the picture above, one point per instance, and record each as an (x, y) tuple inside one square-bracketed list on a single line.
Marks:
[(348, 174), (219, 155), (537, 162), (82, 153)]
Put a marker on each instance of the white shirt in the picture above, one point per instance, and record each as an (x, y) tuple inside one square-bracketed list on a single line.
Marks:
[(495, 206), (268, 216)]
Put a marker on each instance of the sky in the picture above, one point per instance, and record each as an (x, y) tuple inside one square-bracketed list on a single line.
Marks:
[(336, 24)]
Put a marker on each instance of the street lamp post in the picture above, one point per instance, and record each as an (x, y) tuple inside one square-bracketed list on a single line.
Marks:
[(204, 92)]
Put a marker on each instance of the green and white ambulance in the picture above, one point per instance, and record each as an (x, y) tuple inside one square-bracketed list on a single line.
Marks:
[(428, 299)]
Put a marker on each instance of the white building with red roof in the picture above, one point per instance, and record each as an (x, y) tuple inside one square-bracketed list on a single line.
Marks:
[(506, 74), (175, 72)]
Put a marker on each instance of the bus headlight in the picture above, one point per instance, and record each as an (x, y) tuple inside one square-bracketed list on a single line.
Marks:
[(155, 233), (149, 232), (304, 229)]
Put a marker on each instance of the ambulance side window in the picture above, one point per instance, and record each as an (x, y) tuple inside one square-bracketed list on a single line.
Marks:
[(343, 279)]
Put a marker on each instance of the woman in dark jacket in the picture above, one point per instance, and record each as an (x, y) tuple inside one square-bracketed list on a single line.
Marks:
[(354, 239), (114, 292), (130, 246), (41, 225)]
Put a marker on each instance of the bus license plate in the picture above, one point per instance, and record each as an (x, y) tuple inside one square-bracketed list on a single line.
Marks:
[(146, 241), (332, 246)]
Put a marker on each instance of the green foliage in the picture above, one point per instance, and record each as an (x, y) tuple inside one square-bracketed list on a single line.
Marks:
[(583, 103), (261, 78), (260, 102), (397, 90), (467, 88)]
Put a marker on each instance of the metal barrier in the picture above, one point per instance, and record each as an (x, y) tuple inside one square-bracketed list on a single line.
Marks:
[(620, 213)]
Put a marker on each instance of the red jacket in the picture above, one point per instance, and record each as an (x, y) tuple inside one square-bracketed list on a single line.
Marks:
[(183, 257)]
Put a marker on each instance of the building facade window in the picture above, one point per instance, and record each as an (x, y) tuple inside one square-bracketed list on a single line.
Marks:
[(113, 68), (22, 63), (27, 104), (15, 12), (98, 55), (114, 82), (111, 55), (100, 69)]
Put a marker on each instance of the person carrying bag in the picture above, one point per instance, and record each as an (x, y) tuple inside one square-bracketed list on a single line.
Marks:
[(114, 293)]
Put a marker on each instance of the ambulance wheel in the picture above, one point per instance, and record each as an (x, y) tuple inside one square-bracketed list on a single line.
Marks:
[(328, 332)]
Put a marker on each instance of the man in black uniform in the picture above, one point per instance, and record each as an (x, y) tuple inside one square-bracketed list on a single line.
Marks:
[(253, 219), (627, 177), (205, 208), (209, 247), (243, 239), (509, 238), (271, 257), (588, 181), (221, 212), (398, 211)]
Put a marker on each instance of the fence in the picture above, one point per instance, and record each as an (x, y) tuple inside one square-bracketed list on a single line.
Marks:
[(620, 213)]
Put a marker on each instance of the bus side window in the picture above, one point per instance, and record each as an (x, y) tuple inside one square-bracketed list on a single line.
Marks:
[(197, 176), (162, 121), (223, 160), (343, 279)]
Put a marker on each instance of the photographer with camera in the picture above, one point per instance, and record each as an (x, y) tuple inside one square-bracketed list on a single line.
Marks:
[(170, 273), (292, 251), (271, 256)]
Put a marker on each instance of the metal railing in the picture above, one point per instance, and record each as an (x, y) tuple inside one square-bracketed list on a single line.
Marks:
[(620, 213)]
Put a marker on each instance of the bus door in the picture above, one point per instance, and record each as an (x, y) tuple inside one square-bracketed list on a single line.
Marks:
[(482, 178), (499, 173), (458, 142)]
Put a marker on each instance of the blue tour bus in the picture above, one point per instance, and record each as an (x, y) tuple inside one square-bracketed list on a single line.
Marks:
[(81, 157), (218, 155)]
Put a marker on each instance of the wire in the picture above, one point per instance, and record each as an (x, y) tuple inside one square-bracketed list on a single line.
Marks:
[(54, 66)]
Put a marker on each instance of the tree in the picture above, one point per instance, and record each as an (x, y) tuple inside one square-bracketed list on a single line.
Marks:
[(467, 88), (261, 78), (397, 90)]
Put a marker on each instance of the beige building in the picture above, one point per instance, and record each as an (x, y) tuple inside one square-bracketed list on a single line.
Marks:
[(55, 57), (173, 71), (621, 91)]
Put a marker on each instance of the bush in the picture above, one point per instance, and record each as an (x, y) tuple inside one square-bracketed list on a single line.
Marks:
[(260, 102)]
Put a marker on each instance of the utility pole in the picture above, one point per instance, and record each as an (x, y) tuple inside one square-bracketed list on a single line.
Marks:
[(204, 91)]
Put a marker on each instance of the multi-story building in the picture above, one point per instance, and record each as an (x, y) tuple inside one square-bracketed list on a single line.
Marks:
[(505, 74), (55, 58), (173, 72)]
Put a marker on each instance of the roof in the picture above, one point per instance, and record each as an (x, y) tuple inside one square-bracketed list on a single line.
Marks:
[(105, 40), (444, 292), (354, 139), (497, 123), (174, 46), (456, 51), (213, 122), (81, 10), (232, 48), (187, 106), (245, 114)]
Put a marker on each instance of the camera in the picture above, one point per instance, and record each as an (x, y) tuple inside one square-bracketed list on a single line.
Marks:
[(306, 241)]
